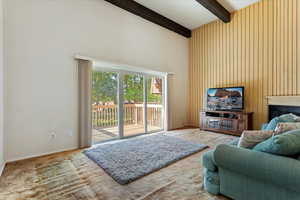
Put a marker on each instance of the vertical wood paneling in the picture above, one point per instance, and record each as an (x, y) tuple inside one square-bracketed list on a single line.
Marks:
[(258, 49)]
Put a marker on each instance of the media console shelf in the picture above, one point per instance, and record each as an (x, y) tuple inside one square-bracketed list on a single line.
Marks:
[(228, 122)]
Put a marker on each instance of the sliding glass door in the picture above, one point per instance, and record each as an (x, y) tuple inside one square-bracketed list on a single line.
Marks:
[(155, 104), (104, 106), (126, 104), (134, 104)]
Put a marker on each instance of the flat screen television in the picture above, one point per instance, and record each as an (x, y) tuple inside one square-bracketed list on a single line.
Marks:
[(230, 98)]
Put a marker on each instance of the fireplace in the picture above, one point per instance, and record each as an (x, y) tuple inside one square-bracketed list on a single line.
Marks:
[(280, 105), (277, 110)]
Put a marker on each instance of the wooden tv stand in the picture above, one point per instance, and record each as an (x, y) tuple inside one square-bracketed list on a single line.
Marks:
[(228, 122)]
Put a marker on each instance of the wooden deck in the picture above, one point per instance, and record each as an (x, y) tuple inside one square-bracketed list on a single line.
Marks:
[(104, 134)]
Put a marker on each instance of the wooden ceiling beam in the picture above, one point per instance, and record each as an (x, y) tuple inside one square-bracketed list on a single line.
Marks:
[(152, 16), (217, 9)]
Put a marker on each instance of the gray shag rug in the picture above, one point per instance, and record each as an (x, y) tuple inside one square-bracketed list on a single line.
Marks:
[(131, 159)]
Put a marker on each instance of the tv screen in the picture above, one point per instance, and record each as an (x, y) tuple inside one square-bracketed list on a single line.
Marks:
[(225, 98)]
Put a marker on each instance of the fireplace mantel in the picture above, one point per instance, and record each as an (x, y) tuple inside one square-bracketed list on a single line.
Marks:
[(284, 100)]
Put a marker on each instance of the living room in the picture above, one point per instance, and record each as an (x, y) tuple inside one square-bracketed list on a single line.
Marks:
[(106, 99)]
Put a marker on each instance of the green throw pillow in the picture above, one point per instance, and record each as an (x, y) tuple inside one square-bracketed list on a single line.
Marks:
[(272, 125), (283, 118), (286, 144), (288, 118)]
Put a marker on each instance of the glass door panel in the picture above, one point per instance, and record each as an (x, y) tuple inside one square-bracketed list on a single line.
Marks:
[(155, 108), (133, 115), (104, 106)]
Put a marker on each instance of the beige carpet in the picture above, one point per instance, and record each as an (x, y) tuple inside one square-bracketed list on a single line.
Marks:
[(72, 176)]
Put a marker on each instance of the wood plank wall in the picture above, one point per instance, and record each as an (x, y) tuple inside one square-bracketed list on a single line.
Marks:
[(259, 49)]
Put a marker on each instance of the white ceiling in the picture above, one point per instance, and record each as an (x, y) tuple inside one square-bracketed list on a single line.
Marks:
[(190, 13)]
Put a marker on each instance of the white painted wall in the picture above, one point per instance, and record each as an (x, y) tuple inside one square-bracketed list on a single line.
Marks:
[(1, 90), (43, 35)]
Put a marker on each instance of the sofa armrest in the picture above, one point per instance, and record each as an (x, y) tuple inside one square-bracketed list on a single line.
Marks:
[(273, 169), (208, 161)]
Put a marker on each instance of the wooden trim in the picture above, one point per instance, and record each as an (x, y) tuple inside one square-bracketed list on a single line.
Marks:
[(152, 16), (284, 100), (217, 9)]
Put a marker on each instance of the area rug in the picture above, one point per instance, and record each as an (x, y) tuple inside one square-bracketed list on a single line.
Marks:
[(129, 160)]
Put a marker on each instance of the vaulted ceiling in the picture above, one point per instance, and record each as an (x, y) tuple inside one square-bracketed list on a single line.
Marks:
[(182, 16), (190, 13)]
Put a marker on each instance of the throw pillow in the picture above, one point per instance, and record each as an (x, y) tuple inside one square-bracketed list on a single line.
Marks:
[(251, 138), (283, 118), (284, 127), (297, 118), (286, 144), (264, 126), (288, 117), (272, 125)]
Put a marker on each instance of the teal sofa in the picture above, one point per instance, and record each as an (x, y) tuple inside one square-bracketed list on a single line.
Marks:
[(244, 174)]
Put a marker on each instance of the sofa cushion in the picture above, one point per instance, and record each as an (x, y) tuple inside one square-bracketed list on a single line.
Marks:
[(251, 138), (285, 127), (286, 144), (283, 118), (208, 161)]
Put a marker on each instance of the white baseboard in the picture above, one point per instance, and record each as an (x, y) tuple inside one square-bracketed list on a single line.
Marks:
[(2, 168), (39, 155)]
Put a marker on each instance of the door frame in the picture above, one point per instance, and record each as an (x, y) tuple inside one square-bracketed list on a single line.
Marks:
[(120, 94)]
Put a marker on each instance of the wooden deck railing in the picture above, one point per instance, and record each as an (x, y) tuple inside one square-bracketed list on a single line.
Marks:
[(105, 116)]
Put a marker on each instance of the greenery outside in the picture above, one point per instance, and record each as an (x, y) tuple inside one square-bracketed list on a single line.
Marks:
[(105, 88)]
